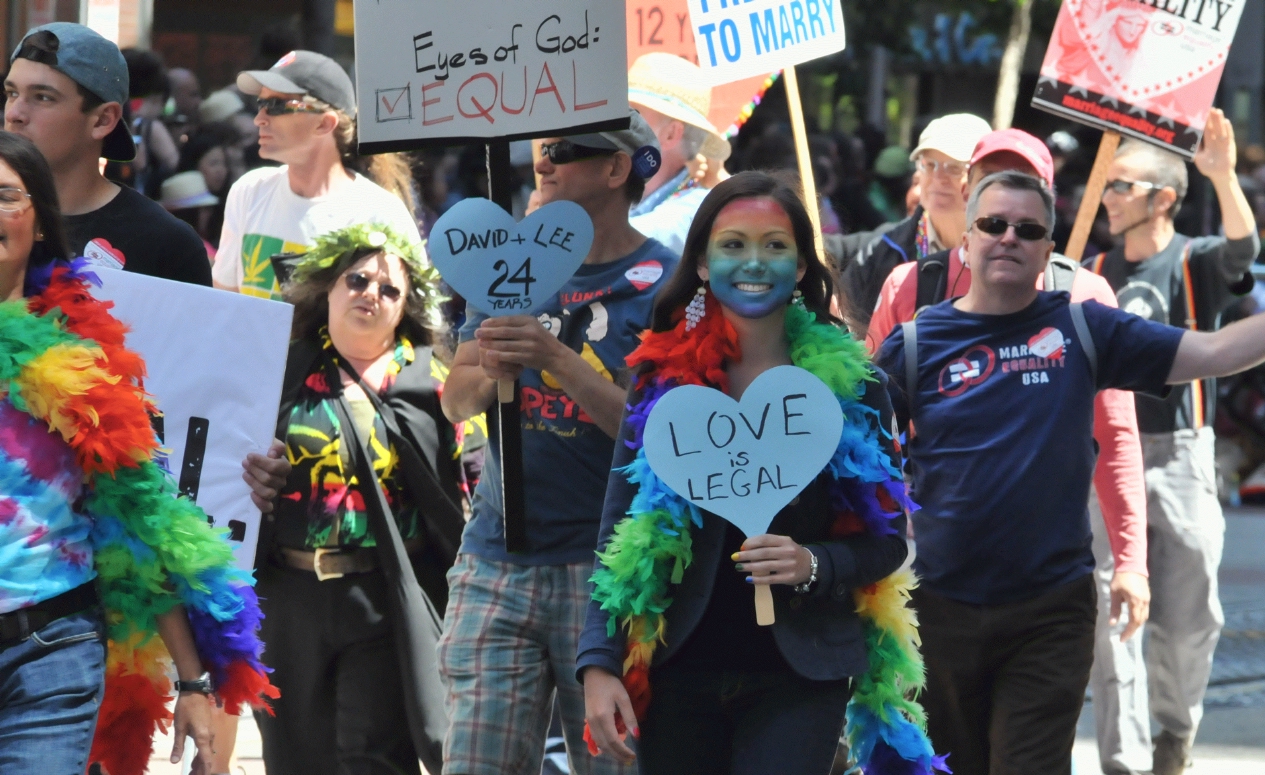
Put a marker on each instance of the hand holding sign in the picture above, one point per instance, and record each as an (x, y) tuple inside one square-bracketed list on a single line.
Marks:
[(505, 268), (744, 461)]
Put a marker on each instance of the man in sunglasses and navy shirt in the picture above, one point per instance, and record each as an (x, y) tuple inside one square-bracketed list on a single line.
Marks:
[(998, 386), (1169, 278), (306, 119), (514, 619)]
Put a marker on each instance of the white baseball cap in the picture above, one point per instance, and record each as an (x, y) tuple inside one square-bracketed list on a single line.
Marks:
[(954, 135)]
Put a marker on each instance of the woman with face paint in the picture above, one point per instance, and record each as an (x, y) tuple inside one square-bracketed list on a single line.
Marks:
[(671, 653)]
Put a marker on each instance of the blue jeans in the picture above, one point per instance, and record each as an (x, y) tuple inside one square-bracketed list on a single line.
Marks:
[(50, 689)]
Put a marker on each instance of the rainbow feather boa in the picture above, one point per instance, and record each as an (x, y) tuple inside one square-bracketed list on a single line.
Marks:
[(63, 361), (650, 548)]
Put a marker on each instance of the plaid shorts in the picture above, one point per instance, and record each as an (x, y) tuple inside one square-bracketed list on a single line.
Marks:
[(509, 642)]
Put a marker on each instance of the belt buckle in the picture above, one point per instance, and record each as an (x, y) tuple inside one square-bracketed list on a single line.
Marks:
[(316, 563)]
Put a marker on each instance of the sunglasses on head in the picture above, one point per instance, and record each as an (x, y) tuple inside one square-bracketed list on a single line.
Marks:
[(359, 282), (280, 106), (1122, 186), (565, 152), (1026, 231)]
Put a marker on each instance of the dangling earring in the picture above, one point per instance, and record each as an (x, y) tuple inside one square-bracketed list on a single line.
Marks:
[(797, 298), (696, 309)]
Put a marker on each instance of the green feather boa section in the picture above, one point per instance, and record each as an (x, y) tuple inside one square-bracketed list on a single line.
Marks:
[(830, 354)]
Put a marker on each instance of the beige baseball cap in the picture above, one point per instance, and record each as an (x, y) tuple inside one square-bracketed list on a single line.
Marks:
[(954, 135)]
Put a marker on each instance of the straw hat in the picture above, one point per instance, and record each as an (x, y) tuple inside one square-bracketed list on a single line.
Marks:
[(220, 105), (186, 189), (673, 86)]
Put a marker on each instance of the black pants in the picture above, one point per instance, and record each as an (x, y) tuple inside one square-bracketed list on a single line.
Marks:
[(331, 648), (1006, 683), (714, 723)]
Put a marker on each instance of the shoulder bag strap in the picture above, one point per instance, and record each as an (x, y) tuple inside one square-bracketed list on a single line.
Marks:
[(1192, 322), (1087, 341), (444, 519), (415, 622)]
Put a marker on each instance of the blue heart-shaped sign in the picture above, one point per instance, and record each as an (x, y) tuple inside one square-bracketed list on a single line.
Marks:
[(745, 460), (505, 268)]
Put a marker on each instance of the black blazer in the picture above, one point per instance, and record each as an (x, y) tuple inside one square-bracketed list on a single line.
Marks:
[(819, 633)]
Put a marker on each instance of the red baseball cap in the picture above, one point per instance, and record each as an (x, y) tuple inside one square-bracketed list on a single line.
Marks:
[(1017, 141)]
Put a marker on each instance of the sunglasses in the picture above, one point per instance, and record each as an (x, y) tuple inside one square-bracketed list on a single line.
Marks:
[(281, 106), (1123, 187), (1026, 231), (359, 282), (565, 152)]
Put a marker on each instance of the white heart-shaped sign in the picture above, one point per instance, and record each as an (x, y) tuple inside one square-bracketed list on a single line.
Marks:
[(744, 460), (505, 268)]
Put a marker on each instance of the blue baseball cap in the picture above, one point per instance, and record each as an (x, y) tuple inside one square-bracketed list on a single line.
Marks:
[(90, 60)]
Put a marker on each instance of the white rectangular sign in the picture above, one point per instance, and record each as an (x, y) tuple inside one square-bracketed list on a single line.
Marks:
[(743, 38), (215, 361), (431, 70)]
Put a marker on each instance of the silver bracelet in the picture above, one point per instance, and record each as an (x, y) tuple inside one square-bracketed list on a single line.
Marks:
[(803, 589)]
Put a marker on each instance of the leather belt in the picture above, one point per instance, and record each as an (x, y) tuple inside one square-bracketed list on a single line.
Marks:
[(17, 626), (334, 562)]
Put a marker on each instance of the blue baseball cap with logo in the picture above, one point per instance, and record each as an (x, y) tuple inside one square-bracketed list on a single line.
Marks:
[(90, 60)]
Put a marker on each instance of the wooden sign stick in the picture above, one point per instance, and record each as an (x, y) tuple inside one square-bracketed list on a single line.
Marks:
[(763, 605), (1093, 196), (805, 169), (500, 191)]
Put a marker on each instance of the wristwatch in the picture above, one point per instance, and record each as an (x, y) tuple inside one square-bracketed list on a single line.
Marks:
[(202, 685), (806, 587)]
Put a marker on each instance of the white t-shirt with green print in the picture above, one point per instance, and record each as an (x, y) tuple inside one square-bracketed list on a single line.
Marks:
[(263, 217)]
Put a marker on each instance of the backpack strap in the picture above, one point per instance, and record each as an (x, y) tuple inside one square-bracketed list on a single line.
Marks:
[(1087, 341), (910, 331), (931, 280), (1060, 272)]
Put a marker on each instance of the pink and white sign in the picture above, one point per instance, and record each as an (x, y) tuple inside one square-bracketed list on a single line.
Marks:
[(1146, 69)]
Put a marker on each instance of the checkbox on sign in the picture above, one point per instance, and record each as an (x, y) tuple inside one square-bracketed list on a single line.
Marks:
[(395, 104)]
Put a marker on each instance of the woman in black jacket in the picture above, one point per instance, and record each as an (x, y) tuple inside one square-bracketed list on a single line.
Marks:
[(351, 636), (671, 651)]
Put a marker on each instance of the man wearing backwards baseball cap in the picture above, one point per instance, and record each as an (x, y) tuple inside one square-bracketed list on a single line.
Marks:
[(668, 92), (944, 148), (306, 120), (65, 92), (1118, 502), (514, 620)]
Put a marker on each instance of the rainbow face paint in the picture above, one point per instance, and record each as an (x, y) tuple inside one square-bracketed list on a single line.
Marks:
[(752, 258)]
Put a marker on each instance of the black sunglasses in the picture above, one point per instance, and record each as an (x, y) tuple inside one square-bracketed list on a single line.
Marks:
[(1026, 231), (565, 152), (280, 106), (359, 282)]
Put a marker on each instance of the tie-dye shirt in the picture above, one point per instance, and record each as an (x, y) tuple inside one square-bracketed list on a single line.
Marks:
[(45, 545)]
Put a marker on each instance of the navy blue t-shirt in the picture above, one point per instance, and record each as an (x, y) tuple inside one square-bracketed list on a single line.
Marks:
[(600, 313), (1003, 451)]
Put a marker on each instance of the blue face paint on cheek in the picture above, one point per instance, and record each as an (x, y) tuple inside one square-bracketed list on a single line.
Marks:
[(752, 287)]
